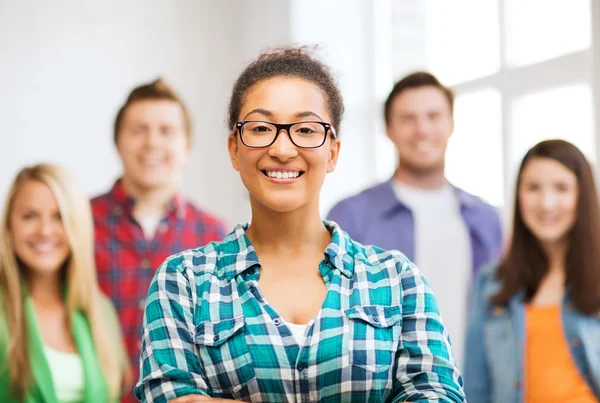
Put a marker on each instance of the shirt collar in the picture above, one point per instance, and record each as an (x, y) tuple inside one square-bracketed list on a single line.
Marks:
[(340, 250), (388, 198), (123, 202), (236, 254)]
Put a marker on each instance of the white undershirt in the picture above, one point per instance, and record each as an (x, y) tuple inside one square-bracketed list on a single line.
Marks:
[(297, 332), (149, 225), (67, 375), (442, 253)]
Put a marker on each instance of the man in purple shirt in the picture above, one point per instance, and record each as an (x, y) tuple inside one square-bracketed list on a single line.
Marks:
[(449, 233)]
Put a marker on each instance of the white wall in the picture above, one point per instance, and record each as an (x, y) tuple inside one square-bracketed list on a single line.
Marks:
[(68, 65)]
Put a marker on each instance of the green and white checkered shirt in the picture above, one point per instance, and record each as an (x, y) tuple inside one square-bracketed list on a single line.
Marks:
[(377, 338)]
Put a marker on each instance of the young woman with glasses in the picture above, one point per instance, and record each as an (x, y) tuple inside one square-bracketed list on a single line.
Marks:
[(288, 307)]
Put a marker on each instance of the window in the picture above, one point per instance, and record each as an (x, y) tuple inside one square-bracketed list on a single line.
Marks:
[(539, 30), (476, 145), (522, 71), (459, 46), (564, 113)]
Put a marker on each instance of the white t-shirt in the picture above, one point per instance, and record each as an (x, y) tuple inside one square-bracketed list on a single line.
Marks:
[(297, 332), (67, 375), (149, 225), (442, 253)]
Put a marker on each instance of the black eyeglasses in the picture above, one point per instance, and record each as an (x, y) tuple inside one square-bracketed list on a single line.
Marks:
[(260, 134)]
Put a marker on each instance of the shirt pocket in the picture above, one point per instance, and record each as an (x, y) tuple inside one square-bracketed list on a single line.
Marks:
[(373, 336), (224, 355)]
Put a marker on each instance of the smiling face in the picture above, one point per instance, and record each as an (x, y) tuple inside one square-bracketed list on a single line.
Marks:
[(36, 227), (420, 126), (153, 144), (548, 196), (283, 177)]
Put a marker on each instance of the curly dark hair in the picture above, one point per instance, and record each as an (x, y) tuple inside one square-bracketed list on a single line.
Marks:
[(285, 62)]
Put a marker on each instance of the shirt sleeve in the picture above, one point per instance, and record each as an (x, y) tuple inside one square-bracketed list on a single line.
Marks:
[(426, 370), (169, 365)]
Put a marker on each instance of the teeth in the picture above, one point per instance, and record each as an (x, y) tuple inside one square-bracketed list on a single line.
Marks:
[(43, 247), (282, 175)]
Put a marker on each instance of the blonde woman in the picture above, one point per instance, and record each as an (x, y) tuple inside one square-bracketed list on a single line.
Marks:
[(59, 336)]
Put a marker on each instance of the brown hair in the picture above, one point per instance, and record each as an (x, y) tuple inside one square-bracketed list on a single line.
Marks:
[(157, 90), (526, 264), (287, 62), (416, 80)]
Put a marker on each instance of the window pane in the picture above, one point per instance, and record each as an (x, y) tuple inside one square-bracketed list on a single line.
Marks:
[(539, 30), (474, 158), (462, 39), (564, 113)]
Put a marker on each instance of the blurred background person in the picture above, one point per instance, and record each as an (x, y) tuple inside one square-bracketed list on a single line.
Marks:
[(534, 326), (448, 232), (59, 336), (144, 219)]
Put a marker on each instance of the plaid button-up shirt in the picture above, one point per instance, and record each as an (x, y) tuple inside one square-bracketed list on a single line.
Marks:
[(377, 337), (127, 261)]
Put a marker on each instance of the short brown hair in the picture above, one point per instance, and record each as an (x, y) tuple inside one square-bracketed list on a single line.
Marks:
[(416, 80), (288, 62), (157, 90)]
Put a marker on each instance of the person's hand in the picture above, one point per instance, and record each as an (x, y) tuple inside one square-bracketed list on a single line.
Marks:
[(199, 399)]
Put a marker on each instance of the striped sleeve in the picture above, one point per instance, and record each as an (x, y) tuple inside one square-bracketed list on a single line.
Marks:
[(169, 365), (426, 368)]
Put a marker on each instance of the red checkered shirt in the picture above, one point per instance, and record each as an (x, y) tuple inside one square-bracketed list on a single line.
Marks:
[(126, 260)]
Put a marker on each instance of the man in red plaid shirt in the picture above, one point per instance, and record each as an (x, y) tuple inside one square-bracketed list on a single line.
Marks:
[(143, 219)]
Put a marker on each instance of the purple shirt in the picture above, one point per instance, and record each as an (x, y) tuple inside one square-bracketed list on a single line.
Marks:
[(376, 217)]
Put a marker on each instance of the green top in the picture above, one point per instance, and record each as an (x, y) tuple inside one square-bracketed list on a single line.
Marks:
[(42, 386)]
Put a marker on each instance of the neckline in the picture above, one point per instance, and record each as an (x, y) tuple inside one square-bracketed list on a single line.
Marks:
[(545, 308), (59, 352), (295, 324)]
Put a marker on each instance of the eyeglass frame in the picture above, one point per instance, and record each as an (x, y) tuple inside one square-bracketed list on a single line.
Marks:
[(285, 126)]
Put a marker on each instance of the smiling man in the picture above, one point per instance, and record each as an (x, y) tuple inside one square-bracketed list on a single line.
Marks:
[(144, 219), (448, 232)]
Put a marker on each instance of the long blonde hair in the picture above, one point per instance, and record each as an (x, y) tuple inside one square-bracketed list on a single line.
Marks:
[(80, 277)]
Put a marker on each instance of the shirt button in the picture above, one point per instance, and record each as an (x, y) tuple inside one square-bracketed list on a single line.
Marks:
[(251, 289), (216, 338), (277, 321), (300, 367), (376, 319)]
